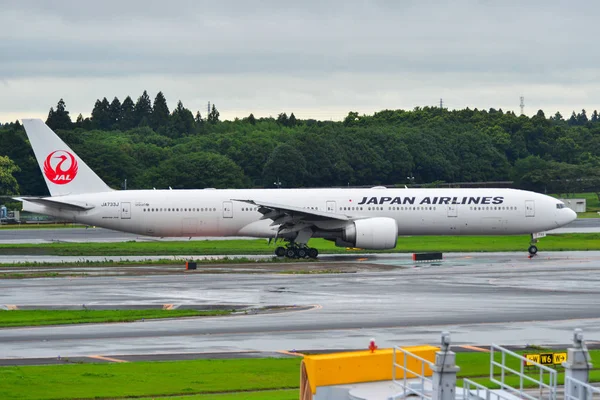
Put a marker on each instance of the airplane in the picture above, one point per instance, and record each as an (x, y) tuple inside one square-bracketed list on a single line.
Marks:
[(370, 219)]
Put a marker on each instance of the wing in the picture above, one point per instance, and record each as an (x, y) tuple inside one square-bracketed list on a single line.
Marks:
[(293, 219)]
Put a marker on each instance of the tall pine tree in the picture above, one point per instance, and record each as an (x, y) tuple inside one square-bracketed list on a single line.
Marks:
[(114, 113), (60, 118), (127, 114), (100, 115), (292, 120), (582, 118), (143, 110), (213, 117), (160, 112), (182, 120), (282, 119)]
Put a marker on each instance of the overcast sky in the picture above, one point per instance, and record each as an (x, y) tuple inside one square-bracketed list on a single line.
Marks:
[(318, 59)]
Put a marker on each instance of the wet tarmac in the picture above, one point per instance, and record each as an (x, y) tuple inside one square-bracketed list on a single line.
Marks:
[(91, 234), (502, 298)]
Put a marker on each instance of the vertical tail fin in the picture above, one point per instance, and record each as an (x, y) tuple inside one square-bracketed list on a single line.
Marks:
[(65, 173)]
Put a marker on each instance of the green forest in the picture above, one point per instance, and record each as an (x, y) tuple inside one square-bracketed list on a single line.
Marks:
[(148, 145)]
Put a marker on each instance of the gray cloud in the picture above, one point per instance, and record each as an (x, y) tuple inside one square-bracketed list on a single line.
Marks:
[(390, 54)]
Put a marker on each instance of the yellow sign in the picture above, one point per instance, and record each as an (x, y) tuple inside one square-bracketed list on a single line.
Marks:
[(559, 358), (545, 358)]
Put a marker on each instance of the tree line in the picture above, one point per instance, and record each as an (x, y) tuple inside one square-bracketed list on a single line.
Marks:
[(127, 115), (151, 146)]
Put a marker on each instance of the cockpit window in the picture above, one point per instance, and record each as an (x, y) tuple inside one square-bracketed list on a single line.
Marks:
[(560, 205)]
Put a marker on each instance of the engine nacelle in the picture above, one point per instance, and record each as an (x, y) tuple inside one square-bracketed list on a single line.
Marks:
[(378, 233)]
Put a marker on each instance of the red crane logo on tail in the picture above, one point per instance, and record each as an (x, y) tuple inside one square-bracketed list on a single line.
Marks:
[(60, 167)]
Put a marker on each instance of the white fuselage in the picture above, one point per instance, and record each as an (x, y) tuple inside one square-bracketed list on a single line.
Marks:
[(210, 212)]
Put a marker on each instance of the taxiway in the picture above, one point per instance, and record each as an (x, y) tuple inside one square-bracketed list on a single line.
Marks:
[(503, 298)]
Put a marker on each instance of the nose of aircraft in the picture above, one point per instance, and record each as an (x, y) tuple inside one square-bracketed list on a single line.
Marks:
[(572, 215), (565, 216)]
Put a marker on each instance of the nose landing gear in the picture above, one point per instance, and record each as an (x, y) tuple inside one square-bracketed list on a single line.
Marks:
[(532, 244), (532, 250)]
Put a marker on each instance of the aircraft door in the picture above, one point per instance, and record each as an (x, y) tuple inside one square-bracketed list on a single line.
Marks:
[(529, 208), (452, 210), (227, 209), (125, 210), (331, 206)]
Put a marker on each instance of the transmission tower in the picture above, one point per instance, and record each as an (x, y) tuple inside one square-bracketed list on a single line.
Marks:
[(441, 103), (522, 105)]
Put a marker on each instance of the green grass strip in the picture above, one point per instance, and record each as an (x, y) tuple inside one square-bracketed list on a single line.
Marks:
[(563, 242), (149, 379), (15, 318)]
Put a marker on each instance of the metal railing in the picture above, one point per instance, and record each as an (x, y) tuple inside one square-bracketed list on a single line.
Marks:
[(578, 390), (475, 391), (419, 376), (551, 377)]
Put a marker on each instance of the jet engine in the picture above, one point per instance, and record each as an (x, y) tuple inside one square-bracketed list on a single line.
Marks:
[(378, 233)]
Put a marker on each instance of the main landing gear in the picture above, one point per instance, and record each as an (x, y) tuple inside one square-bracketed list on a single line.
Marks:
[(293, 250)]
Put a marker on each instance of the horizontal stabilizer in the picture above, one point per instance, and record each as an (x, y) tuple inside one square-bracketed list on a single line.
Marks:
[(58, 204)]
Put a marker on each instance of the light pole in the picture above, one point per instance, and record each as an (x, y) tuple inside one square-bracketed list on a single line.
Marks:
[(277, 183), (411, 179)]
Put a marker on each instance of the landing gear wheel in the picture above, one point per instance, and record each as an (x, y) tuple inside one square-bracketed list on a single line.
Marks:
[(532, 250), (301, 252), (280, 251), (313, 253), (290, 252)]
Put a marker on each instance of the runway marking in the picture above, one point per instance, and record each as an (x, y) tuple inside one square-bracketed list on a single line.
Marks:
[(116, 360), (289, 353), (480, 349)]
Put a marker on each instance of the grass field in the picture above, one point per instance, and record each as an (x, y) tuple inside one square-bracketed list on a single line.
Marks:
[(593, 214), (150, 379), (229, 379), (15, 318), (575, 241)]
